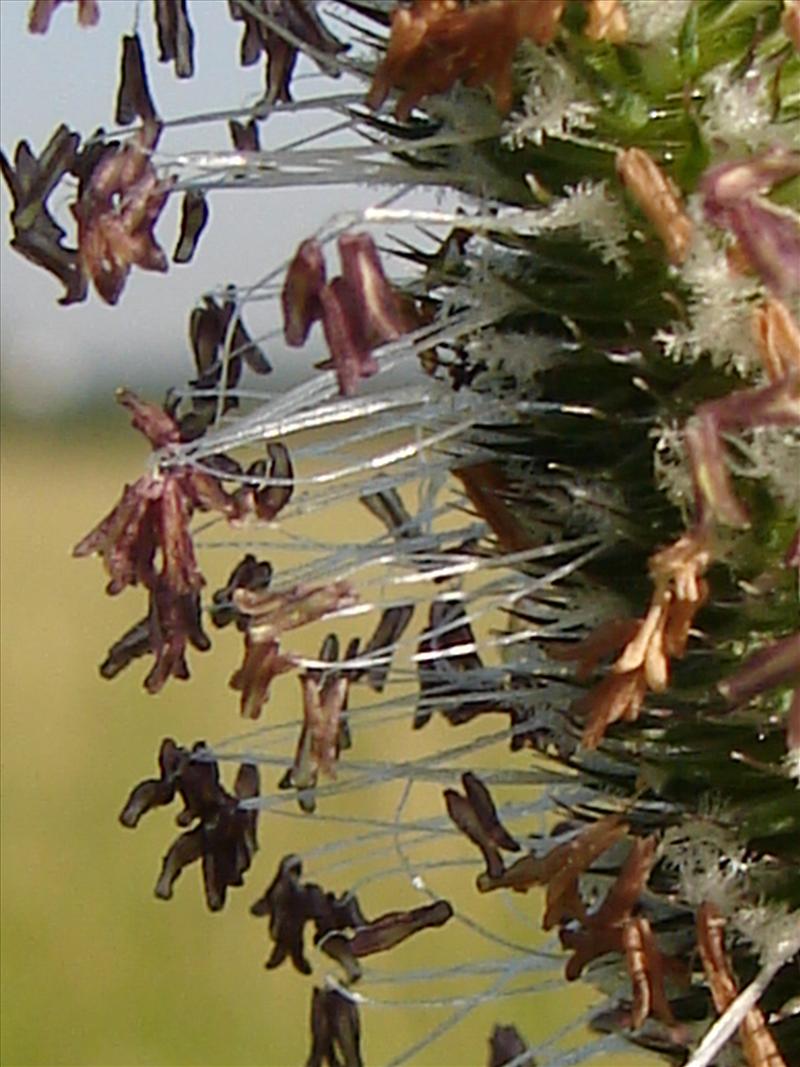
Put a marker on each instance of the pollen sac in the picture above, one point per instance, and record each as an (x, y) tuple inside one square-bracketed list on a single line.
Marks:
[(793, 725), (42, 11), (263, 662), (476, 816), (301, 22), (332, 916), (224, 836), (175, 36), (434, 45), (775, 404), (768, 236), (729, 183), (335, 1030), (249, 573), (617, 698), (394, 927), (391, 626), (448, 664), (116, 213), (506, 1046), (290, 904), (208, 330), (770, 239), (286, 902), (194, 219), (645, 964), (713, 489), (325, 731), (359, 309), (221, 345), (173, 623), (133, 96), (387, 506), (658, 199), (379, 309), (344, 332), (146, 540), (271, 613), (559, 869), (274, 497), (244, 136), (492, 498), (133, 644), (267, 615), (601, 930), (300, 298), (37, 236), (758, 1044), (155, 792), (777, 336)]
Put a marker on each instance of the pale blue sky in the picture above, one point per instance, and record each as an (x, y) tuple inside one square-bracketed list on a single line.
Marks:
[(53, 354)]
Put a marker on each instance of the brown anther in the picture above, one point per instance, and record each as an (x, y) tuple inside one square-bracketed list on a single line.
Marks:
[(658, 199), (601, 931), (42, 11), (31, 181), (289, 906), (359, 309), (618, 697), (446, 658), (265, 616), (324, 730), (391, 626), (777, 335), (645, 965), (194, 218), (116, 213), (300, 21), (476, 816), (335, 1030), (506, 1045), (608, 21), (571, 861), (305, 279), (767, 235), (559, 870), (758, 1044), (679, 591), (606, 639), (793, 724), (489, 493), (394, 927), (436, 43), (133, 94), (225, 835), (175, 36)]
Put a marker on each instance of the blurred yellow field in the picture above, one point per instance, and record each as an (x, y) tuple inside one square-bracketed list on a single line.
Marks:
[(95, 969)]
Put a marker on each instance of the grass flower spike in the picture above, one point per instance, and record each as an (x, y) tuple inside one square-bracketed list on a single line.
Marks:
[(561, 408)]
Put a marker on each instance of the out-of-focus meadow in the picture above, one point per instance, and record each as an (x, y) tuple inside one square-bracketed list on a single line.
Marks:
[(95, 969)]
